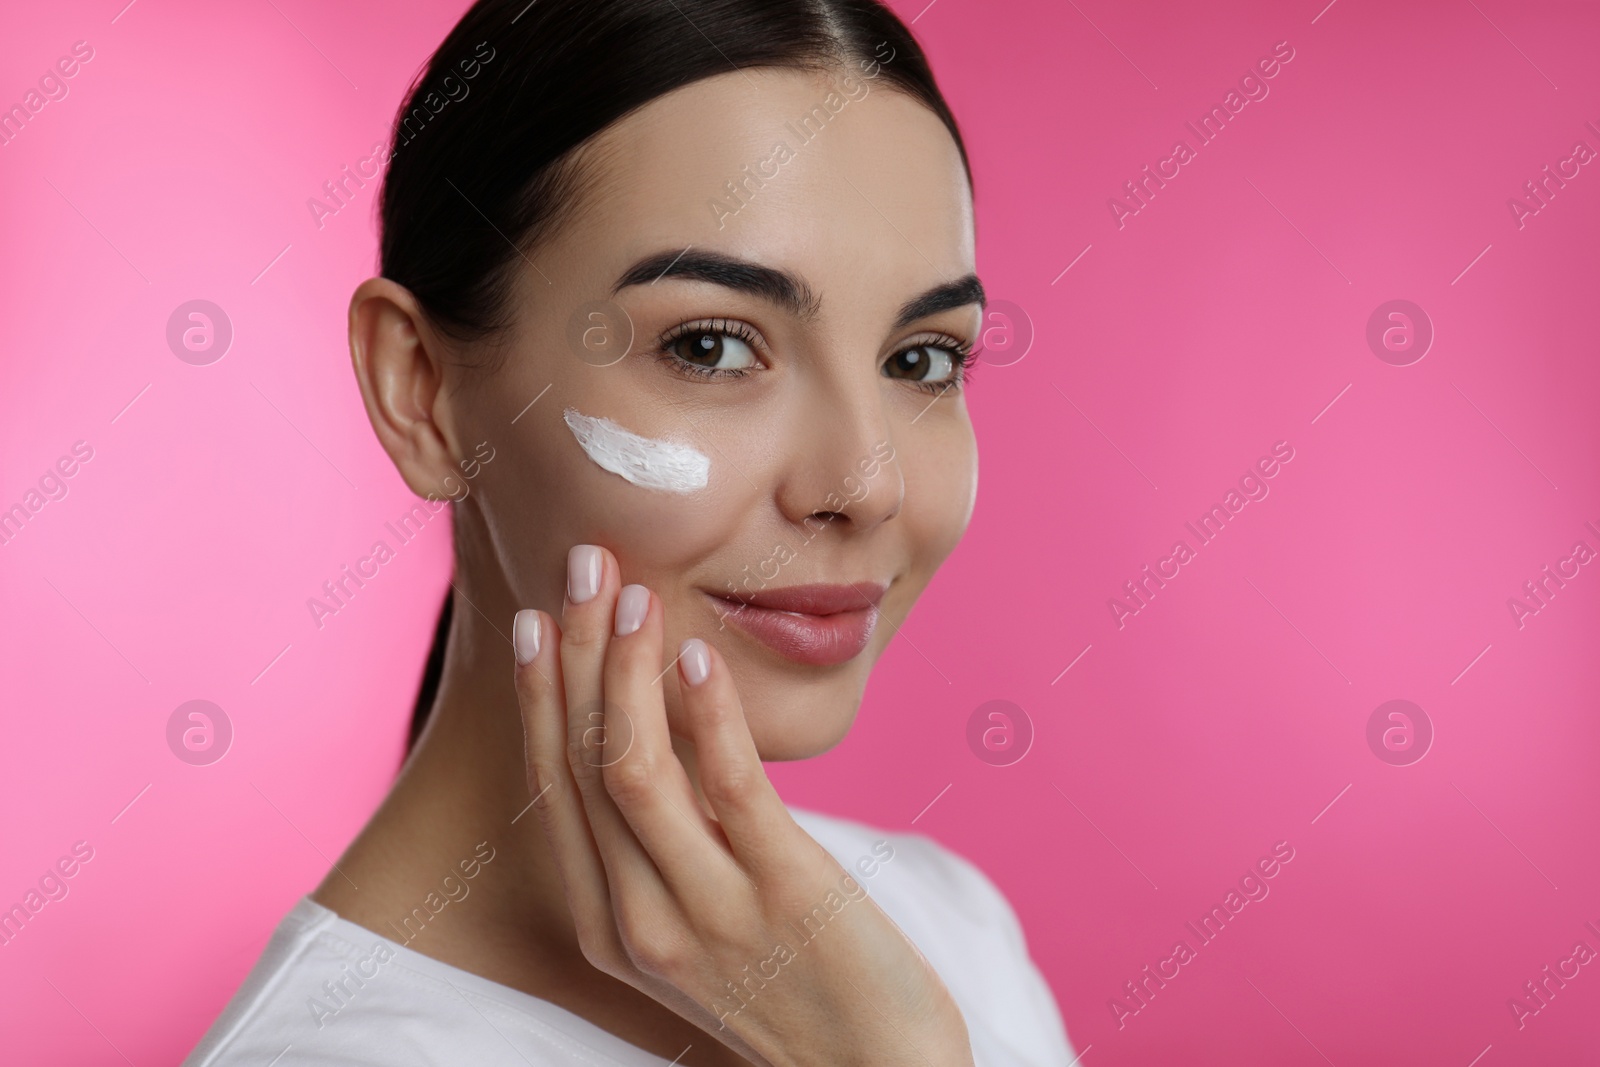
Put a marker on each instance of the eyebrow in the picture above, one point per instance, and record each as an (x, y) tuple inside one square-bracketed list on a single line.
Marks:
[(783, 288), (956, 294)]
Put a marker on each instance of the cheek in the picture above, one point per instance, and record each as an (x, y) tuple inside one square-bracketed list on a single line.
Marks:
[(653, 529), (547, 493), (941, 474)]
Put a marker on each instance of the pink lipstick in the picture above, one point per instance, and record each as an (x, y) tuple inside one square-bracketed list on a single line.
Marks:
[(821, 625)]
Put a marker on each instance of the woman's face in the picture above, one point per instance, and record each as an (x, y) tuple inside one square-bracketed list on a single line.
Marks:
[(802, 335)]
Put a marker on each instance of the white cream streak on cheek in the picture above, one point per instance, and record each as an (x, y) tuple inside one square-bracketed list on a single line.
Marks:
[(664, 465)]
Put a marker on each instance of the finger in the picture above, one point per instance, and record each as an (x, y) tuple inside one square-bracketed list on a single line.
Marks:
[(599, 730), (758, 827), (649, 784), (536, 638)]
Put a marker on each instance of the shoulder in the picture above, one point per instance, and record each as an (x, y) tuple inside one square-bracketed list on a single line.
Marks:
[(330, 992), (279, 998), (958, 918)]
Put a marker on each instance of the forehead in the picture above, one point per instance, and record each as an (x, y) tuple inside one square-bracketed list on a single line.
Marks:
[(856, 187)]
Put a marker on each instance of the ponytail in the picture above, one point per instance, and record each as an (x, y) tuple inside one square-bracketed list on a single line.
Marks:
[(431, 674)]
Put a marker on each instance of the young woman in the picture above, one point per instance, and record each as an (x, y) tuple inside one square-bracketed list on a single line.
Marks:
[(676, 302)]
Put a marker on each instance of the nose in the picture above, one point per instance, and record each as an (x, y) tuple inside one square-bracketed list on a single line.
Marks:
[(841, 466)]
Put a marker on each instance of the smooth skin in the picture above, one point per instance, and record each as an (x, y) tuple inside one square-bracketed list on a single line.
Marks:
[(644, 885)]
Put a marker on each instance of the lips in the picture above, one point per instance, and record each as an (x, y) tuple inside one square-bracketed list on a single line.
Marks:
[(819, 625)]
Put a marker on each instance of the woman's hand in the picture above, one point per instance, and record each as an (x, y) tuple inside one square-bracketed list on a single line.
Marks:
[(706, 912)]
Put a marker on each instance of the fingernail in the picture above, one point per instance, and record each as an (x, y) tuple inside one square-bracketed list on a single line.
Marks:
[(631, 607), (583, 573), (525, 636), (696, 661)]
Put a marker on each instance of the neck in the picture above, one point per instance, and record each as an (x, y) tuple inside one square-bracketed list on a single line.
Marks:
[(465, 786)]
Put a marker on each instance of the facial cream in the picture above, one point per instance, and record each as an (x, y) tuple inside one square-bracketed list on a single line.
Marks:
[(665, 465)]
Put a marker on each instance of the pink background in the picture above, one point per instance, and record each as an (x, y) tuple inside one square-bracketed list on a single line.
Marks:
[(1224, 717)]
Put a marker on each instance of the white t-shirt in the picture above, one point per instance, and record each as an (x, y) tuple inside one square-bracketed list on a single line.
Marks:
[(413, 1009)]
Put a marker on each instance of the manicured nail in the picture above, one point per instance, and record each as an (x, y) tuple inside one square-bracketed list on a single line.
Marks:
[(525, 636), (696, 661), (632, 604), (583, 573)]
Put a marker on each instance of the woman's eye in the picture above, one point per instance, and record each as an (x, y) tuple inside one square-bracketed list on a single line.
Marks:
[(714, 350), (923, 363)]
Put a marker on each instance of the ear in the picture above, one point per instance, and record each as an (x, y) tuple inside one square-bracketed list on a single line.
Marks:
[(399, 367)]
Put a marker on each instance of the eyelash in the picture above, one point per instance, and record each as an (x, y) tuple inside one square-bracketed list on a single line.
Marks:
[(961, 358), (961, 353), (725, 327)]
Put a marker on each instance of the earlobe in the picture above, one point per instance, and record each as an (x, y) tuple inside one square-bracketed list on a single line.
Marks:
[(400, 373)]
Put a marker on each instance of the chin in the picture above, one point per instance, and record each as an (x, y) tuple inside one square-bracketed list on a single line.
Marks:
[(790, 721)]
